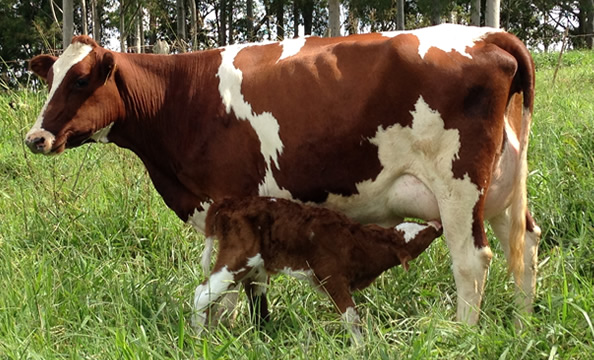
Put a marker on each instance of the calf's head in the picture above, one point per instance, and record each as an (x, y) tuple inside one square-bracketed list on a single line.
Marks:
[(413, 238), (83, 100)]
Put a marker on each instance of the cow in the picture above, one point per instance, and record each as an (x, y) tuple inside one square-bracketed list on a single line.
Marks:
[(260, 236), (431, 124)]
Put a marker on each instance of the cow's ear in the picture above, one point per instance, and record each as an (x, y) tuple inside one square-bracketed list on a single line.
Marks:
[(41, 65), (109, 65)]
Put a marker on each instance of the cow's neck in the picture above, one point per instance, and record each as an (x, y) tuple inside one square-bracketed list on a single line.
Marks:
[(165, 99)]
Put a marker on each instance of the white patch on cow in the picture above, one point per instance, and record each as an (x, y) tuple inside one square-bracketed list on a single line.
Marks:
[(255, 261), (410, 230), (291, 47), (470, 269), (503, 180), (417, 179), (297, 274), (208, 293), (312, 235), (352, 323), (511, 135), (447, 37), (264, 124), (198, 218), (206, 254), (73, 54), (101, 135)]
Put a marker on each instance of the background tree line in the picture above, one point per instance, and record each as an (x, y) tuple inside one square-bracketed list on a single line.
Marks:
[(30, 27)]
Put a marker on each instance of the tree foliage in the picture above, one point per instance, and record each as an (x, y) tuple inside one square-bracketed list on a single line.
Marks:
[(34, 26)]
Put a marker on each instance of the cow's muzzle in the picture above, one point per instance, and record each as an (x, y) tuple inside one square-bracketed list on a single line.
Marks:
[(40, 141)]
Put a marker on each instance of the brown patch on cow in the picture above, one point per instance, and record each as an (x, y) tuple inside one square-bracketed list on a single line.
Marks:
[(312, 163)]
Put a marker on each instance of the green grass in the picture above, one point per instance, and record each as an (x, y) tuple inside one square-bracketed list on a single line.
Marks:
[(93, 265)]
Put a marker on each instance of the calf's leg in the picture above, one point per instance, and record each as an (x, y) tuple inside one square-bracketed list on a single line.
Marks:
[(223, 278), (338, 290)]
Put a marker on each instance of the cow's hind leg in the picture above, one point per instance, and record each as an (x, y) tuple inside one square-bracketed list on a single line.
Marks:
[(526, 285), (471, 255)]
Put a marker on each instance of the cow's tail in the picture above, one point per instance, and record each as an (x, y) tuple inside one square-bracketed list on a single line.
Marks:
[(523, 83)]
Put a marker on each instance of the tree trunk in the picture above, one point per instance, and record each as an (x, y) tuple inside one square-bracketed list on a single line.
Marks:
[(123, 33), (475, 13), (492, 13), (250, 20), (139, 30), (230, 21), (436, 12), (68, 25), (295, 18), (400, 15), (307, 12), (95, 21), (181, 25), (334, 17), (84, 20), (222, 23), (587, 8), (280, 19), (194, 25)]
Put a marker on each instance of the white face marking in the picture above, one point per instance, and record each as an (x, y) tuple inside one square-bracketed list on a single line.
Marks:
[(426, 150), (291, 47), (446, 37), (410, 230), (198, 218), (71, 56)]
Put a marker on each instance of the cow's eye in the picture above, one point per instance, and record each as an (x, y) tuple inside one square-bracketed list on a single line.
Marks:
[(81, 83)]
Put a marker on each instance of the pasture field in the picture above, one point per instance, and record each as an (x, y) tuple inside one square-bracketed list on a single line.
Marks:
[(94, 266)]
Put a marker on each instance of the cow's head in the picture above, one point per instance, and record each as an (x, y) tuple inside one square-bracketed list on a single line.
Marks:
[(83, 100)]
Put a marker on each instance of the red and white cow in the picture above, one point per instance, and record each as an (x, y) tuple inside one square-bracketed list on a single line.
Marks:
[(259, 236), (431, 123)]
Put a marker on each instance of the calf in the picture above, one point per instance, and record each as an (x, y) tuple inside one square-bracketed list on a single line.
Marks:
[(259, 236)]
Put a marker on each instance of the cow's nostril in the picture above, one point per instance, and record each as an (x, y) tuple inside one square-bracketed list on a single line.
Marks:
[(36, 144)]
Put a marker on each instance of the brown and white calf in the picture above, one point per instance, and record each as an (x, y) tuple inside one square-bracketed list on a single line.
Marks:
[(260, 236), (431, 123)]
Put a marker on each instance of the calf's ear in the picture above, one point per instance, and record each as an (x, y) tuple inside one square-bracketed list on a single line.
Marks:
[(109, 65), (41, 65)]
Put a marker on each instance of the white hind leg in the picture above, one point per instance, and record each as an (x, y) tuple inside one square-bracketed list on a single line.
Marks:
[(471, 256), (526, 286)]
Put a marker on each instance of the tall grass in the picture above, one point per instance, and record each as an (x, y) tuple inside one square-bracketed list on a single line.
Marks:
[(93, 265)]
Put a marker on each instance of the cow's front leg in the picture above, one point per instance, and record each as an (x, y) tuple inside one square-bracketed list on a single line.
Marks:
[(470, 253)]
